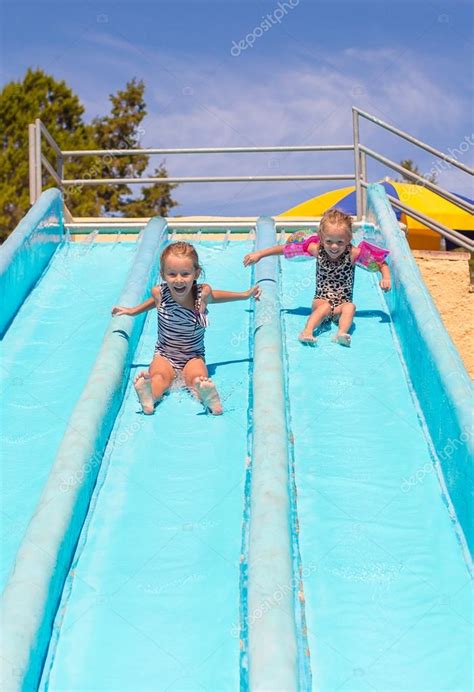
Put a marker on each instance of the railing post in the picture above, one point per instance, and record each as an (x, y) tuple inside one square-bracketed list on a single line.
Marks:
[(32, 161), (60, 169), (355, 135), (38, 168), (363, 173)]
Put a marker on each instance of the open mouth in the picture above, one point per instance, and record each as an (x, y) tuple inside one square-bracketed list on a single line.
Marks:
[(179, 289)]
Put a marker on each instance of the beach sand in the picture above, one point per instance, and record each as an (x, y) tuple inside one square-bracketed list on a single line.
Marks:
[(447, 278)]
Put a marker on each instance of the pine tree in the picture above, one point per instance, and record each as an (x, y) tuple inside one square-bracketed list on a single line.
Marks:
[(409, 165), (155, 199)]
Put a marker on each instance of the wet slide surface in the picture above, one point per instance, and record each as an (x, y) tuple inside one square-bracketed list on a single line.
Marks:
[(152, 601), (46, 356), (388, 604)]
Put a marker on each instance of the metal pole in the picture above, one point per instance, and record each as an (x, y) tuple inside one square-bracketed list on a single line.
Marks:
[(363, 171), (414, 140), (207, 150), (440, 228), (39, 182), (60, 170), (32, 161), (355, 134), (215, 179), (419, 180)]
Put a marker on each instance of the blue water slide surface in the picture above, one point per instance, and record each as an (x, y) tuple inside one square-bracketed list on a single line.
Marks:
[(387, 589), (152, 599), (27, 251), (46, 356)]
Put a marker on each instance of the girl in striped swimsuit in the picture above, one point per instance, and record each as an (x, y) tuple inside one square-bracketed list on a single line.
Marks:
[(181, 305), (335, 260)]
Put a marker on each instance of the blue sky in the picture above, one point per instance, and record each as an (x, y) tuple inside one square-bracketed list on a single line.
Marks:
[(228, 73)]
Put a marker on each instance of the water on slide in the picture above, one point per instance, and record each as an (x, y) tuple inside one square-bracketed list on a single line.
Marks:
[(387, 591), (46, 357), (152, 599)]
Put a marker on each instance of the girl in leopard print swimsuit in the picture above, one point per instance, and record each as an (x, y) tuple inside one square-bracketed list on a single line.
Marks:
[(335, 260)]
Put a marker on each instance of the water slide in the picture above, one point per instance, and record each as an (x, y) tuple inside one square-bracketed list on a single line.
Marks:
[(46, 355), (316, 536), (388, 598), (157, 568)]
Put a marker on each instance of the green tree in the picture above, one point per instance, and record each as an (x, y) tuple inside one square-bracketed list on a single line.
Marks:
[(60, 110), (155, 199), (39, 95), (409, 165)]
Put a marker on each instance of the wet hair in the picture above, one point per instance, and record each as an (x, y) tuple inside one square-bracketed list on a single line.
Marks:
[(181, 249), (338, 219)]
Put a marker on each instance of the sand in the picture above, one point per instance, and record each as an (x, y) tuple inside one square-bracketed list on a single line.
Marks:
[(447, 278)]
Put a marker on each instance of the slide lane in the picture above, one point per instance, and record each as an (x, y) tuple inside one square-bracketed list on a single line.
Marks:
[(46, 356), (387, 590), (152, 600)]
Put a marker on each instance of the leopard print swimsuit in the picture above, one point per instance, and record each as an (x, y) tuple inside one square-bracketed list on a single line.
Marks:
[(335, 278)]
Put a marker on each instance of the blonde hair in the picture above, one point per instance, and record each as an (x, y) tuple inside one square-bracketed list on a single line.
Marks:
[(180, 249), (337, 218)]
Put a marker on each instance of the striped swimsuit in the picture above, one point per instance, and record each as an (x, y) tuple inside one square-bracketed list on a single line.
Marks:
[(180, 330)]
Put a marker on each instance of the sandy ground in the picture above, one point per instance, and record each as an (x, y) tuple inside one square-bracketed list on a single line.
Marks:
[(447, 278)]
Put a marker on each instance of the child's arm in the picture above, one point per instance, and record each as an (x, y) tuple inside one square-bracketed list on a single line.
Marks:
[(254, 257), (386, 280), (313, 249), (153, 302), (210, 295)]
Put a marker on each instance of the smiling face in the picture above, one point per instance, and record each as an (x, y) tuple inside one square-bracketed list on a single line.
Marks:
[(335, 240), (179, 273)]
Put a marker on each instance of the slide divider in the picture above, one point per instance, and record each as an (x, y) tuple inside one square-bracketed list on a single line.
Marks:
[(273, 663), (27, 251), (439, 378), (33, 591)]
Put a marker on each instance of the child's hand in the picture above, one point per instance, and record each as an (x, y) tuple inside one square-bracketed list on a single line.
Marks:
[(118, 310), (251, 258), (385, 284), (254, 292)]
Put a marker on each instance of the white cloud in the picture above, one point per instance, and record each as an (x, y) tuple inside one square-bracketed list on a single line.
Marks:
[(193, 101)]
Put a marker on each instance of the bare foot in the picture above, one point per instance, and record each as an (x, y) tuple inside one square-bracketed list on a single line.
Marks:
[(207, 394), (307, 338), (343, 339), (142, 384)]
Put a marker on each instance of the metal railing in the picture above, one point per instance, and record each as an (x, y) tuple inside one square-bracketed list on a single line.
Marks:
[(360, 154), (38, 162)]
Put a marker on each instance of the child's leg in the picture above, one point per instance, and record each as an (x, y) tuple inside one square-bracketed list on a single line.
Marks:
[(321, 310), (346, 315), (196, 377), (150, 386)]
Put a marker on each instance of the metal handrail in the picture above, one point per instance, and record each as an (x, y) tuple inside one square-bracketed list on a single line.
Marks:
[(419, 179), (208, 150), (214, 179), (37, 160), (448, 233), (361, 152), (414, 140)]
